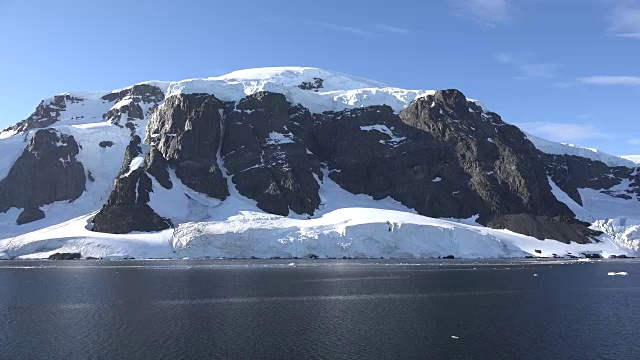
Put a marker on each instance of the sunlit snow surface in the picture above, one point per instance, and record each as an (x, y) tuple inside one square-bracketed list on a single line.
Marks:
[(555, 148), (346, 225), (634, 158)]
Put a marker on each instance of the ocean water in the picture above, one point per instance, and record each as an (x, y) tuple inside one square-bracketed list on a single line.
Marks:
[(319, 309)]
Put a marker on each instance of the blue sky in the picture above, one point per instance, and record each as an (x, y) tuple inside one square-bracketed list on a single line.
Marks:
[(565, 70)]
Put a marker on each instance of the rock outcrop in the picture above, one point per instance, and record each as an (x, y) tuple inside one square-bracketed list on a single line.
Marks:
[(186, 130), (65, 256), (506, 171), (571, 173), (142, 92), (131, 105), (265, 160), (30, 214), (46, 113), (372, 151), (127, 208), (47, 171)]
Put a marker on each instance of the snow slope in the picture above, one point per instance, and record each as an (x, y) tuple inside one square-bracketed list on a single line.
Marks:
[(346, 225), (618, 219), (82, 120), (550, 147), (634, 158)]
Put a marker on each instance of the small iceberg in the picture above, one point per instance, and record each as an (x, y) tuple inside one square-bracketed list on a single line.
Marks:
[(622, 273)]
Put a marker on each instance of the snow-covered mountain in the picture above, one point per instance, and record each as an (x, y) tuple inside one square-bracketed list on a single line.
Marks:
[(292, 161), (633, 158)]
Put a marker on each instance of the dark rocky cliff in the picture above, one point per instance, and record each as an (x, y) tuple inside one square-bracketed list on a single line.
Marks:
[(443, 156), (186, 130), (127, 208), (47, 171), (265, 160), (571, 173)]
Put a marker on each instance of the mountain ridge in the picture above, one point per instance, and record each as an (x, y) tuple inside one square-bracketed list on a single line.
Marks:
[(279, 147)]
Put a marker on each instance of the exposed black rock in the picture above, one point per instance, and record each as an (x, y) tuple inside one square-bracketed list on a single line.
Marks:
[(30, 214), (267, 162), (187, 133), (506, 170), (157, 167), (144, 92), (571, 173), (47, 171), (443, 156), (133, 111), (561, 228), (65, 256), (105, 144), (127, 208), (46, 113), (372, 151), (128, 114), (316, 84)]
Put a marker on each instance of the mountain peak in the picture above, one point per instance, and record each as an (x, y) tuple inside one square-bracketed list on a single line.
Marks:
[(292, 75)]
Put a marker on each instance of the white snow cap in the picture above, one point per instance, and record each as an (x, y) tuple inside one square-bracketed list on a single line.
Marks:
[(338, 92), (634, 158)]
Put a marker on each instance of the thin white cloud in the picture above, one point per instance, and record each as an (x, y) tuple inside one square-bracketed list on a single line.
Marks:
[(527, 69), (634, 141), (562, 132), (630, 35), (624, 18), (564, 84), (393, 29), (485, 12), (611, 80), (369, 31), (342, 28)]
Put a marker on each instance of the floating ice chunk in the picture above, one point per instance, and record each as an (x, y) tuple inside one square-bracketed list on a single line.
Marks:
[(535, 275), (437, 179), (454, 337), (622, 273)]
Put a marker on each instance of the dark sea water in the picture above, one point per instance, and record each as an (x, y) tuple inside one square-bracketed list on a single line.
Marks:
[(318, 309)]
